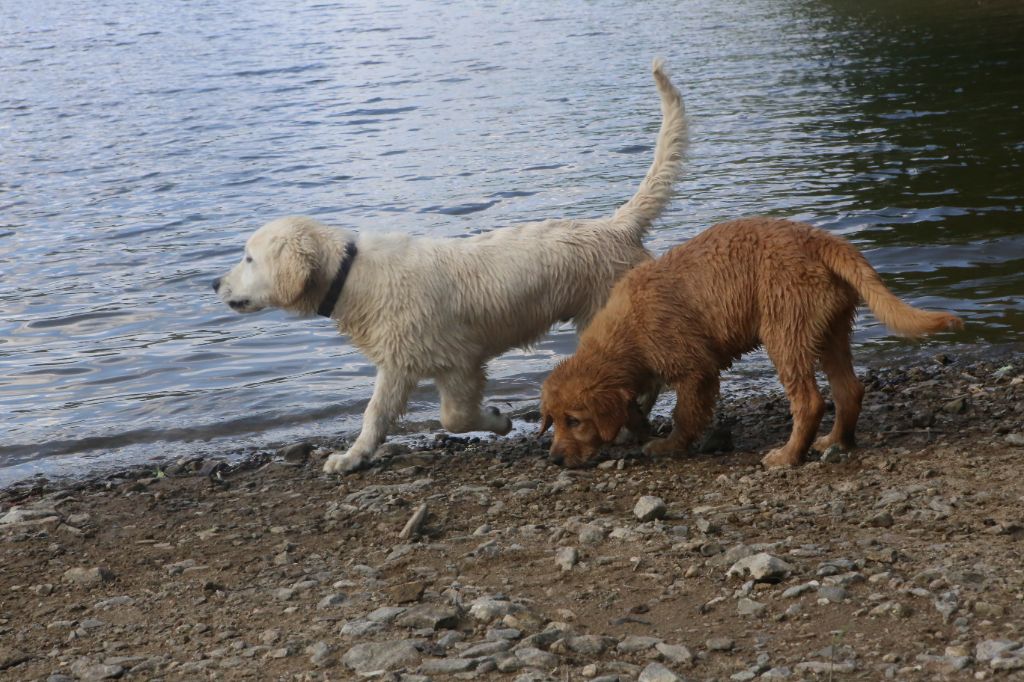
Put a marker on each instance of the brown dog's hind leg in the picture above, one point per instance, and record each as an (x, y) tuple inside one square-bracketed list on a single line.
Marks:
[(847, 390), (695, 403), (795, 365)]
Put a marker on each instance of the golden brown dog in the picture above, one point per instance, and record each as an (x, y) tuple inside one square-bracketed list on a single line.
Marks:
[(685, 317)]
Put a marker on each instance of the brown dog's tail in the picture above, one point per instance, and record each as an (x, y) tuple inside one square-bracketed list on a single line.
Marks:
[(656, 189), (847, 262)]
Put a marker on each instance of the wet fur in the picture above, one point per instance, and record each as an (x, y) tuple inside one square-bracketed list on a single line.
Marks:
[(685, 317), (441, 308)]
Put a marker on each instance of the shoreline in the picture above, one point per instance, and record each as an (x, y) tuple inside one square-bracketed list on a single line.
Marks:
[(901, 559)]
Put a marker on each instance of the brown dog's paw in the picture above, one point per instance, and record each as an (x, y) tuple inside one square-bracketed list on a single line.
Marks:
[(660, 447), (779, 458), (825, 442)]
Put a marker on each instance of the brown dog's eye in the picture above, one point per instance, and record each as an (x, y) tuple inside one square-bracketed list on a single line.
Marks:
[(572, 422)]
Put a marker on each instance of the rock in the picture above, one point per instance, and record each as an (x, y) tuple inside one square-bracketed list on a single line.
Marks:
[(994, 648), (361, 627), (1015, 439), (537, 658), (881, 520), (589, 645), (370, 656), (11, 657), (955, 406), (295, 454), (649, 508), (748, 607), (429, 616), (675, 653), (635, 643), (486, 649), (331, 600), (656, 672), (988, 610), (1013, 663), (832, 593), (825, 667), (88, 577), (385, 614), (87, 670), (566, 558), (321, 654), (20, 515), (446, 666), (797, 590), (487, 609), (720, 644), (761, 567), (592, 534), (780, 673), (407, 592)]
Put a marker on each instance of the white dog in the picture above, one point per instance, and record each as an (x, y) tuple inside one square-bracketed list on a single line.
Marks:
[(441, 308)]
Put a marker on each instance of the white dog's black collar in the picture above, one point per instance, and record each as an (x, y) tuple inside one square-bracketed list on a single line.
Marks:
[(331, 299)]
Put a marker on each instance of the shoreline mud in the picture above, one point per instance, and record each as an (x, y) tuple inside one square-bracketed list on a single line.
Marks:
[(464, 558)]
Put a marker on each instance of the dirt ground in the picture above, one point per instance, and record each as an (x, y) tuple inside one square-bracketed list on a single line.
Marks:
[(899, 561)]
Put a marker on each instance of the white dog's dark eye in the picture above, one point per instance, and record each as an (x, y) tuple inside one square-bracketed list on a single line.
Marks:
[(248, 259)]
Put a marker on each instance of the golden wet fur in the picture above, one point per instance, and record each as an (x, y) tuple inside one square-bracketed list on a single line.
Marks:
[(685, 317)]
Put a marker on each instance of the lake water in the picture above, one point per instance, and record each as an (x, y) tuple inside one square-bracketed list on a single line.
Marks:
[(142, 142)]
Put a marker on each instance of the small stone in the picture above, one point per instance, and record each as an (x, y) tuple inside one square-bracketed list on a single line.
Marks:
[(832, 593), (675, 653), (295, 454), (415, 522), (1015, 439), (86, 670), (331, 600), (994, 648), (566, 558), (12, 657), (988, 610), (592, 534), (720, 644), (407, 592), (321, 654), (537, 658), (798, 590), (590, 645), (649, 508), (761, 567), (88, 577), (635, 643), (431, 617), (656, 672), (371, 656), (487, 609), (385, 614), (955, 406), (446, 666), (881, 520), (749, 607)]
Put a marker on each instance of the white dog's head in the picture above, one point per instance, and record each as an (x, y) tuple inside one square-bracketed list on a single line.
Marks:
[(288, 263)]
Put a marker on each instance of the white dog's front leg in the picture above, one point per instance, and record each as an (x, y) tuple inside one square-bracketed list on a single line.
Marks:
[(390, 394)]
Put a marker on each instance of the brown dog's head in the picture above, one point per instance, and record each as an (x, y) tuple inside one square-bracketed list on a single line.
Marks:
[(585, 412)]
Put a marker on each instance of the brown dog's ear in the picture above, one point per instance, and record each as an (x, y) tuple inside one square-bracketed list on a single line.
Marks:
[(546, 421), (610, 411)]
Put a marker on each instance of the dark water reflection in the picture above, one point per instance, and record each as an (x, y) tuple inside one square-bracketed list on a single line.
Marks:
[(141, 144)]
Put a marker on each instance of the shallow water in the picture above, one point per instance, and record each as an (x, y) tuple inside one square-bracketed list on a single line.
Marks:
[(143, 143)]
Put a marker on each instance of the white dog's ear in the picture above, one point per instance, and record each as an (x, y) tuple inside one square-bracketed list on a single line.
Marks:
[(298, 273)]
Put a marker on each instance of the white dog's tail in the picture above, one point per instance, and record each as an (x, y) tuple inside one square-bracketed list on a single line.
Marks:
[(656, 189)]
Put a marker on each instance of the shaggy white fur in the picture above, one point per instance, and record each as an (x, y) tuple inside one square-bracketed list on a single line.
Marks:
[(441, 308)]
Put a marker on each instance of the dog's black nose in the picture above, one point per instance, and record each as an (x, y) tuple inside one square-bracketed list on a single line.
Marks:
[(216, 284), (557, 459)]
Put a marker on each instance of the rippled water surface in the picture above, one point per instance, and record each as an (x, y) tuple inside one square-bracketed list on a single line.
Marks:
[(142, 142)]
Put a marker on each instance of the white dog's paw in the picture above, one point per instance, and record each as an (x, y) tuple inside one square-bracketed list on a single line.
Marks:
[(345, 464)]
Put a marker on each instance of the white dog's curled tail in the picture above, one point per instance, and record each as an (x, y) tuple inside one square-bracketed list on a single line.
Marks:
[(656, 189)]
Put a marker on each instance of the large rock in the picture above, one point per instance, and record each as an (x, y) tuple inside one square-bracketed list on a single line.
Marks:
[(370, 656), (487, 609), (430, 616), (88, 577)]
